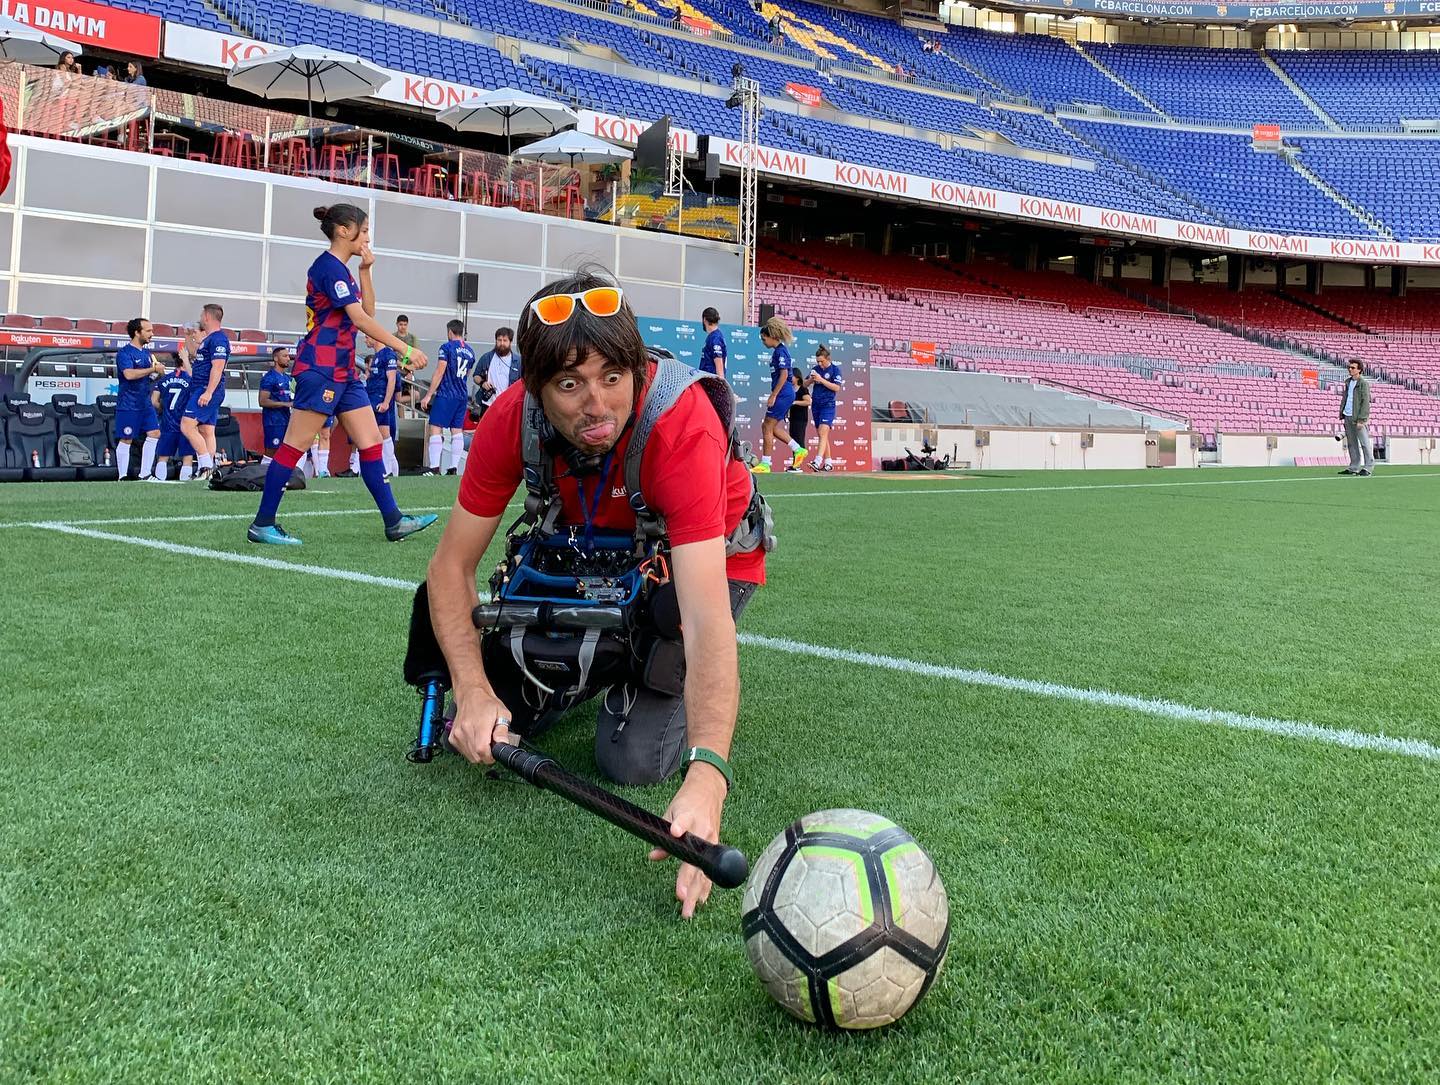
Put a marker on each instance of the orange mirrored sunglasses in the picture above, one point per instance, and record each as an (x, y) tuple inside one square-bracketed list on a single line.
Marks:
[(558, 308)]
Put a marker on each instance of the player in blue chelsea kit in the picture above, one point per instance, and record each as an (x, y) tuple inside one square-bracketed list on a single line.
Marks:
[(714, 353), (137, 371), (448, 400), (169, 399), (207, 389), (825, 381), (776, 334), (275, 400), (326, 382), (381, 384)]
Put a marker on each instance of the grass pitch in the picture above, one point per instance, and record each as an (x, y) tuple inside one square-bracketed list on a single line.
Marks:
[(215, 864)]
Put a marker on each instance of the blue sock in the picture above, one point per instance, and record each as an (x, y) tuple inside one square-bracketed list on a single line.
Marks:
[(372, 470), (277, 477)]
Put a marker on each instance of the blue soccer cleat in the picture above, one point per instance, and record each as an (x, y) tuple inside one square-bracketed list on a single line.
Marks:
[(273, 534), (406, 526)]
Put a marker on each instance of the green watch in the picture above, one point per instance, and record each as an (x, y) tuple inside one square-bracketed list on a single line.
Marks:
[(710, 757)]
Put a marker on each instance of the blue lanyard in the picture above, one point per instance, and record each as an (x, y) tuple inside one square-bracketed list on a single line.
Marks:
[(590, 510)]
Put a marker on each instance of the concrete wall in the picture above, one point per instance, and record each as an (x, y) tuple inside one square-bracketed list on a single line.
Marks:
[(1424, 450), (1018, 449), (1251, 449), (94, 232)]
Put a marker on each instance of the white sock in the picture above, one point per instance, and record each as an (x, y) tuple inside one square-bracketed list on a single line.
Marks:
[(207, 461), (122, 458), (795, 445), (769, 461), (322, 461), (392, 465), (457, 450), (355, 460), (187, 471), (432, 458), (265, 460), (147, 456)]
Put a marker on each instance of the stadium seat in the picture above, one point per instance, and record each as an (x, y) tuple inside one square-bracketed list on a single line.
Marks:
[(30, 442), (100, 327), (84, 422), (11, 470), (56, 324), (60, 404)]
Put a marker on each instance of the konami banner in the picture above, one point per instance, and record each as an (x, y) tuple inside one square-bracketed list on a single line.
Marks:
[(210, 49), (748, 371), (961, 196)]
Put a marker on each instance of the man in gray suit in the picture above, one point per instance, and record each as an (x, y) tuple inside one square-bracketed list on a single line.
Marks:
[(1355, 413)]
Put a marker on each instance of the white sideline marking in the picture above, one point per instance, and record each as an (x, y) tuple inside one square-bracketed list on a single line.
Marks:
[(226, 555), (1355, 740), (202, 518), (1096, 486)]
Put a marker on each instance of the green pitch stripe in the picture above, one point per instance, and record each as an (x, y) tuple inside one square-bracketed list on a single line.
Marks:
[(856, 862)]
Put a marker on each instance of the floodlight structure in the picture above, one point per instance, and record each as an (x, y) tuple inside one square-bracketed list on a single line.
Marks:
[(745, 96)]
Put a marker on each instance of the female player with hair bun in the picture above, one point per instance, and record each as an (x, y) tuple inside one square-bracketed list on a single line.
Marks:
[(327, 384)]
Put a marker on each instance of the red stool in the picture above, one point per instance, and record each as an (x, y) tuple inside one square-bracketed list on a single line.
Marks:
[(292, 156), (572, 196), (425, 181), (499, 193), (386, 171), (525, 194), (197, 157), (236, 149), (334, 159), (475, 187)]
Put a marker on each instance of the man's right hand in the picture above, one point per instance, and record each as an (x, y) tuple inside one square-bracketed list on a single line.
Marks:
[(204, 399), (425, 404), (480, 721)]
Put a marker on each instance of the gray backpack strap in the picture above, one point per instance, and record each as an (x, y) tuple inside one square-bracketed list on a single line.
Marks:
[(672, 378), (542, 499)]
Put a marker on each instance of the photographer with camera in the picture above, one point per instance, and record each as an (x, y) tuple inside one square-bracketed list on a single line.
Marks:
[(629, 461)]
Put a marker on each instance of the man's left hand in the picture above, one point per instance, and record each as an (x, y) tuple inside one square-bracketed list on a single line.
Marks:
[(695, 808)]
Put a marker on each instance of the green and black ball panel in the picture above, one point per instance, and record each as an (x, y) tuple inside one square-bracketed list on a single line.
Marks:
[(846, 920)]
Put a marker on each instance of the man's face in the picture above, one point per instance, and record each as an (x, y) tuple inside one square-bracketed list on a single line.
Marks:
[(208, 323), (502, 344), (402, 329), (147, 333), (589, 403), (282, 360), (1354, 370)]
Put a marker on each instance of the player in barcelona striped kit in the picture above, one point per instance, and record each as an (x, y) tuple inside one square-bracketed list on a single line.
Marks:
[(327, 384)]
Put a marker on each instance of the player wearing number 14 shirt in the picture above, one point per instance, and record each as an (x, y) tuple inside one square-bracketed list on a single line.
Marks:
[(449, 399)]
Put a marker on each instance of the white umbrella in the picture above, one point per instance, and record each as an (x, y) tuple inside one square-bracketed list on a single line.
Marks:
[(26, 45), (568, 148), (508, 112), (309, 72)]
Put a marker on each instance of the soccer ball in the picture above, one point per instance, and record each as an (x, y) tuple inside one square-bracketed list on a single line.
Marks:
[(846, 921)]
